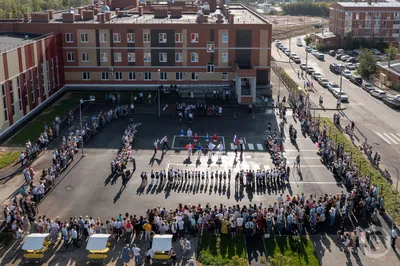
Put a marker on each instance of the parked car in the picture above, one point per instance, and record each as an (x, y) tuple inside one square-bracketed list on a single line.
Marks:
[(337, 93), (279, 46), (310, 70), (287, 52), (340, 51), (299, 43), (332, 53), (345, 58), (352, 60), (356, 80), (314, 52), (332, 86), (350, 66), (335, 68), (378, 93), (320, 56), (303, 66), (277, 43), (317, 75), (376, 51), (339, 56), (308, 49), (346, 73), (296, 59), (367, 86), (357, 51), (323, 82), (284, 49)]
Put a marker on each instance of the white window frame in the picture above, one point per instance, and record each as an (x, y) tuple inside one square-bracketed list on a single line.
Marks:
[(118, 75), (132, 75), (32, 86), (116, 37), (131, 57), (103, 57), (210, 47), (130, 37), (70, 57), (19, 93), (162, 57), (3, 95), (26, 88), (147, 57), (84, 37), (10, 83), (84, 57), (146, 37), (147, 76), (210, 68), (223, 75), (178, 38), (104, 76), (69, 37), (117, 57), (163, 76), (225, 37), (194, 57), (194, 37), (179, 76), (103, 37), (179, 57), (85, 75), (224, 57), (194, 76), (162, 37)]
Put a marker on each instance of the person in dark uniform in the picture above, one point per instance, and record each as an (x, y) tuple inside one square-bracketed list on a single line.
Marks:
[(165, 143)]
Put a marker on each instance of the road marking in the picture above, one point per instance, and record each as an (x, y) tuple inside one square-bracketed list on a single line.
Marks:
[(387, 135), (394, 136), (260, 147), (382, 137), (232, 146), (317, 182), (251, 146)]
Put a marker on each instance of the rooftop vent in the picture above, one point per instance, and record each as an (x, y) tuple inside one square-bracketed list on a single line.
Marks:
[(105, 9)]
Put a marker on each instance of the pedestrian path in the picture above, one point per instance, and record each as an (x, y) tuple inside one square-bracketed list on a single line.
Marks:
[(389, 138), (248, 147)]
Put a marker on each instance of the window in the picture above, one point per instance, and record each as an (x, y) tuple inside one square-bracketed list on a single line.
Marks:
[(146, 37), (396, 31), (69, 37), (210, 68), (103, 37), (357, 15), (384, 24), (367, 32), (210, 47), (117, 57), (84, 57), (52, 72), (26, 89), (32, 86), (130, 37), (178, 76), (43, 83), (84, 37), (70, 57), (58, 76), (163, 75), (104, 75), (118, 75), (12, 97), (132, 76), (162, 57), (225, 37), (162, 37), (19, 93), (224, 76), (178, 38), (224, 57), (178, 57), (194, 37), (194, 57), (37, 83), (131, 57), (85, 75), (195, 76), (117, 37), (147, 57), (3, 95), (147, 75), (103, 57)]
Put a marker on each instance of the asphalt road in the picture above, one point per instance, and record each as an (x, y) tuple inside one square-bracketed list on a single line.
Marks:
[(374, 120), (89, 190)]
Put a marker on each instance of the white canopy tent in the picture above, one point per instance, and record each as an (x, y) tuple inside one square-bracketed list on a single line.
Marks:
[(162, 242), (34, 241), (97, 242)]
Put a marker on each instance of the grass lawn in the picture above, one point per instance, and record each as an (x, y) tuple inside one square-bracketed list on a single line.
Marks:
[(283, 245), (208, 254), (7, 158), (366, 169)]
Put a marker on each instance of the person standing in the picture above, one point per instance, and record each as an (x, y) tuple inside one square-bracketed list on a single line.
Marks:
[(394, 237), (136, 254), (22, 158), (125, 255), (147, 231), (155, 144), (220, 150), (189, 134), (241, 142), (190, 117), (165, 143), (190, 149), (199, 150), (132, 108), (74, 236)]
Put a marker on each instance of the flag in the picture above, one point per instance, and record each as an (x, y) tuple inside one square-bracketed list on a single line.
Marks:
[(211, 146), (163, 139), (165, 107), (234, 139)]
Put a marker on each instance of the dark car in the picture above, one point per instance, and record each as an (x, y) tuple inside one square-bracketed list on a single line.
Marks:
[(339, 56), (356, 80), (332, 53)]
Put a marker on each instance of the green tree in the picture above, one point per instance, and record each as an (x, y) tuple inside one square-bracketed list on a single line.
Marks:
[(308, 39), (391, 53), (306, 8), (367, 62)]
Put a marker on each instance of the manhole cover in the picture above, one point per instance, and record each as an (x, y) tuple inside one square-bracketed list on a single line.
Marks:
[(69, 188)]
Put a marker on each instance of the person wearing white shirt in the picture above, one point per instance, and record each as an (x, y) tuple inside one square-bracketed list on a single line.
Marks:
[(220, 150), (394, 237), (181, 228), (239, 223), (74, 235), (136, 254)]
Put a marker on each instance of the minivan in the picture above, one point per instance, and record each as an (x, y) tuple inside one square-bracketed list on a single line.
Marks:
[(356, 80), (335, 68)]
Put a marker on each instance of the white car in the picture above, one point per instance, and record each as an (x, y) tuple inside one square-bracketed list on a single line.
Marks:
[(317, 75), (323, 82), (378, 93), (292, 55), (284, 49), (333, 86), (367, 86), (314, 52), (346, 73), (296, 59), (299, 43), (350, 66), (287, 52), (342, 95), (303, 66), (310, 70), (345, 58)]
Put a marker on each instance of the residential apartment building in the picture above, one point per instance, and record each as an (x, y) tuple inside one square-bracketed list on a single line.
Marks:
[(132, 44), (369, 20)]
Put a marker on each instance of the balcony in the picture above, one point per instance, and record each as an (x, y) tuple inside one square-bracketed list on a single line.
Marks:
[(244, 70)]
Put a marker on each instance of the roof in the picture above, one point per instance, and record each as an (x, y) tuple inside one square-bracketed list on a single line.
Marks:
[(366, 4), (97, 242), (394, 66), (34, 241), (162, 242), (326, 35), (13, 40)]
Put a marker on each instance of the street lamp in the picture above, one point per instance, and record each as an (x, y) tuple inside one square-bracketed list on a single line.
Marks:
[(158, 90), (81, 102), (342, 67)]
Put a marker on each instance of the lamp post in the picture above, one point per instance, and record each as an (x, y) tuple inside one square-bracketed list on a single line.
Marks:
[(81, 102), (158, 92), (342, 67)]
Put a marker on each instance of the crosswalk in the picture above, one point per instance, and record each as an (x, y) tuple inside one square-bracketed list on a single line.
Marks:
[(248, 146), (389, 138)]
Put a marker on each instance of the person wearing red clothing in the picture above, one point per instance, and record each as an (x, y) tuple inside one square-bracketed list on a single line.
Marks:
[(215, 138), (195, 138)]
